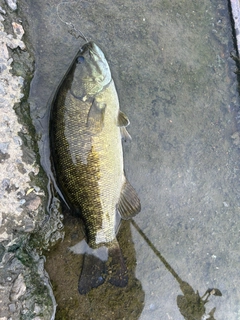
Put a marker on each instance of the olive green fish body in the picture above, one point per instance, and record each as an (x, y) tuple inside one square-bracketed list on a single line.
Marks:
[(89, 166), (86, 131)]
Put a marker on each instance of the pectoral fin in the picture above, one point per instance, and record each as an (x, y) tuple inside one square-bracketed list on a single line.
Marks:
[(96, 114), (123, 120), (129, 204)]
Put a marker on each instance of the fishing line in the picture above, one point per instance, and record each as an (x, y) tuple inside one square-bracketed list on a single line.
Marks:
[(212, 291), (73, 31), (155, 250)]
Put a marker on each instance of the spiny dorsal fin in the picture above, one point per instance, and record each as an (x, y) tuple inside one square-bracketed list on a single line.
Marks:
[(129, 204), (123, 120)]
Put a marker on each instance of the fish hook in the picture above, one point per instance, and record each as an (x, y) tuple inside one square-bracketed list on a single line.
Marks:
[(73, 31)]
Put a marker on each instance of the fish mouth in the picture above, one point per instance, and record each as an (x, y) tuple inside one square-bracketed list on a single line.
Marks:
[(92, 49), (87, 46)]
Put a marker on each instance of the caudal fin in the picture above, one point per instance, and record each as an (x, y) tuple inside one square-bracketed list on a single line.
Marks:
[(93, 273), (117, 270), (95, 270)]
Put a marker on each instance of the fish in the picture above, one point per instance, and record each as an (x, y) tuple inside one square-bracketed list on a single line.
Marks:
[(86, 133)]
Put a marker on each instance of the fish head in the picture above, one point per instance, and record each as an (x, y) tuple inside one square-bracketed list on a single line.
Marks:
[(91, 72)]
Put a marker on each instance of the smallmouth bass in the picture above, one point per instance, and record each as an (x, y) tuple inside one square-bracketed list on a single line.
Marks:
[(86, 129)]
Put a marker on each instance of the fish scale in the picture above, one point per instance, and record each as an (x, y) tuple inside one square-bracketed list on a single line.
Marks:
[(86, 129)]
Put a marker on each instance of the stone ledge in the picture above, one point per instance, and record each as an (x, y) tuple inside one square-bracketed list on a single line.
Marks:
[(25, 290)]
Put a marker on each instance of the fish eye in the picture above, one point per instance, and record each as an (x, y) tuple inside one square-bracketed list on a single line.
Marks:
[(80, 59)]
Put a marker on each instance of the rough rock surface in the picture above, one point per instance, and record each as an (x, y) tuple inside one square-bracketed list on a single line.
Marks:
[(25, 292)]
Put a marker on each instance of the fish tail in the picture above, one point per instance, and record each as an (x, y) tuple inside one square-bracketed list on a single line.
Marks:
[(93, 273), (117, 270), (95, 270)]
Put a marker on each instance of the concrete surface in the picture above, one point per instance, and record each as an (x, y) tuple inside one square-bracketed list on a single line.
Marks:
[(188, 213)]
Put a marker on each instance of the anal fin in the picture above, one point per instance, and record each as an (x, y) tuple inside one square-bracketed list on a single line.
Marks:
[(129, 204)]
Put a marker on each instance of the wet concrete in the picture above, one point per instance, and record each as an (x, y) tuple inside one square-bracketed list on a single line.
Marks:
[(107, 302), (175, 78)]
